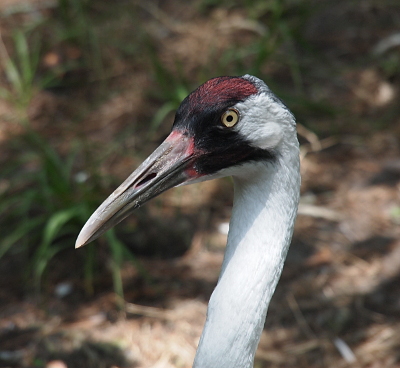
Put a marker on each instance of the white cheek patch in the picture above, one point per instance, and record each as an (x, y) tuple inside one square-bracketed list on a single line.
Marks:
[(269, 136), (262, 121)]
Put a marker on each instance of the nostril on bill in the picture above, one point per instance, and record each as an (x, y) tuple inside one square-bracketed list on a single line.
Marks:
[(145, 180)]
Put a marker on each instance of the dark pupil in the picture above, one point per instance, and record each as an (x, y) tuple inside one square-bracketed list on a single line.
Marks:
[(229, 118)]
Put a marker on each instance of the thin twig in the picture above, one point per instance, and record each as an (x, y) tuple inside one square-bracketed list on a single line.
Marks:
[(319, 212), (311, 137), (151, 312), (294, 306)]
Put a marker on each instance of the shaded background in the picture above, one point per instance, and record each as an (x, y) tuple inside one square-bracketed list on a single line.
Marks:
[(89, 88)]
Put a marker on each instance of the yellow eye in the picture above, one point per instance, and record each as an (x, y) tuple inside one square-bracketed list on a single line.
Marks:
[(230, 117)]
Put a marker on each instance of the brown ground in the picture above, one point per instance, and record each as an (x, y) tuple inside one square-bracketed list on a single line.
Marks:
[(338, 302)]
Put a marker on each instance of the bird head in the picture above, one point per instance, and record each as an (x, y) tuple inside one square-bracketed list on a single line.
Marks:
[(222, 126)]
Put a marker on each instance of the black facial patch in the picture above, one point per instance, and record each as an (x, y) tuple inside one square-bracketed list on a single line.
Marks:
[(227, 150), (219, 146)]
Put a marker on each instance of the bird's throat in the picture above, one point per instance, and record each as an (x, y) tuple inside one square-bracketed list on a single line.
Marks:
[(261, 229)]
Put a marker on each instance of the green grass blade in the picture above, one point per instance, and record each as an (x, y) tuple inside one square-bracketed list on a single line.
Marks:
[(56, 222), (47, 249), (13, 76), (22, 49), (117, 251), (161, 114), (20, 232), (42, 263), (89, 268)]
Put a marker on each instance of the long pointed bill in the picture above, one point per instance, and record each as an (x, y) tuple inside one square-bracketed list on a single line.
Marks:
[(169, 165)]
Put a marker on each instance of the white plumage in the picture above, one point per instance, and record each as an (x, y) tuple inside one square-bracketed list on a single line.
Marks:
[(266, 178)]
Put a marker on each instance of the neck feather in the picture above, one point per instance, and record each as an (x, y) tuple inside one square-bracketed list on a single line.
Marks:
[(261, 227)]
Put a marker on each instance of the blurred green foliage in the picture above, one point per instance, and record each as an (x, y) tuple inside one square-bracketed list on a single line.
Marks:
[(44, 204), (44, 207), (47, 196), (20, 71)]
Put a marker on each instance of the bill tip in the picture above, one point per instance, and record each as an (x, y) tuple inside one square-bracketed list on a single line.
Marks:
[(81, 240), (78, 245)]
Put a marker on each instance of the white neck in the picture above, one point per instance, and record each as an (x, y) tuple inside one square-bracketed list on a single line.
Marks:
[(261, 227)]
